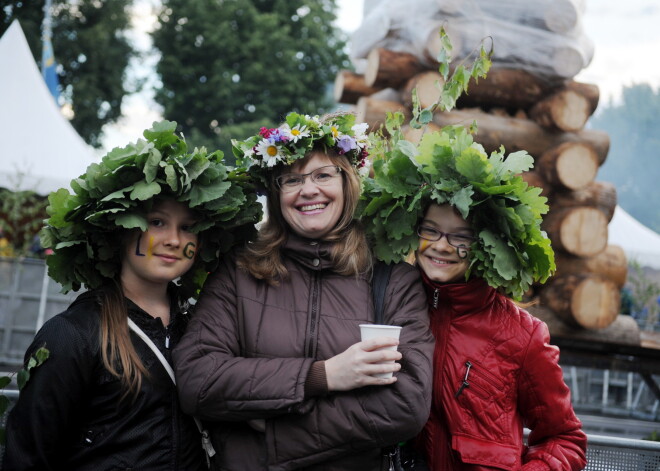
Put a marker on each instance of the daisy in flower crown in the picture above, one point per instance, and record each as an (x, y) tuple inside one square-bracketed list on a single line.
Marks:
[(299, 135)]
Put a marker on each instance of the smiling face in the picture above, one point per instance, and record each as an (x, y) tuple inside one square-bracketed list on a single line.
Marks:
[(165, 251), (440, 261), (313, 210)]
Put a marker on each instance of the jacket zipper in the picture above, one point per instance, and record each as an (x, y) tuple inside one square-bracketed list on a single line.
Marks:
[(465, 383), (443, 324), (314, 312)]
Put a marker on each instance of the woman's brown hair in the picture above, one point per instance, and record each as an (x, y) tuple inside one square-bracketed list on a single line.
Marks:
[(349, 254)]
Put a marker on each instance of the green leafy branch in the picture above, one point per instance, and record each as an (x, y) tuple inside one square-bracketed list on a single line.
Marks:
[(456, 84), (22, 377)]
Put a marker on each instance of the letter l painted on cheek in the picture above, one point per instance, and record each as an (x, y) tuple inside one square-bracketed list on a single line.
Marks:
[(137, 246)]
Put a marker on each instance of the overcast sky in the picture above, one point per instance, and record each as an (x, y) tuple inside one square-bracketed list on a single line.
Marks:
[(626, 36)]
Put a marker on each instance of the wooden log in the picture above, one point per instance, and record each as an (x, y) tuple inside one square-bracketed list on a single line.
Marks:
[(520, 134), (599, 195), (415, 135), (571, 165), (623, 331), (512, 88), (567, 109), (428, 85), (350, 86), (650, 339), (585, 300), (611, 263), (535, 179), (387, 68), (580, 231), (374, 111)]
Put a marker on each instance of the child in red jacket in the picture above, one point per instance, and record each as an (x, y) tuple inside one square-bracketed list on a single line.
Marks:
[(474, 227)]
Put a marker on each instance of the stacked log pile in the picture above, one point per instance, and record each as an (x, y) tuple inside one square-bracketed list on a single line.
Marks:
[(520, 111)]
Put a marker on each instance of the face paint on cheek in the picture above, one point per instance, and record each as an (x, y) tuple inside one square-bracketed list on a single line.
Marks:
[(462, 252), (189, 250), (424, 244), (150, 247), (137, 246)]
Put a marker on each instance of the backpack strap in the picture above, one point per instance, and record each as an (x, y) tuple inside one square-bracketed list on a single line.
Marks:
[(381, 278), (206, 440)]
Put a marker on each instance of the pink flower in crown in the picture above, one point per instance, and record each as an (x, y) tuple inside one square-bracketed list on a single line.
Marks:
[(265, 132)]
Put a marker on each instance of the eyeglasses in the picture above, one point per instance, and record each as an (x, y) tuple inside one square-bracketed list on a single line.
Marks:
[(460, 241), (321, 176)]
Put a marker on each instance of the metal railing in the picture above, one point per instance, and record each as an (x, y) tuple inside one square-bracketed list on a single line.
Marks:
[(622, 454)]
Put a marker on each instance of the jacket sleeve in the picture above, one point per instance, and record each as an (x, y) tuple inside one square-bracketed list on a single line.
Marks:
[(370, 417), (44, 422), (556, 441), (214, 381)]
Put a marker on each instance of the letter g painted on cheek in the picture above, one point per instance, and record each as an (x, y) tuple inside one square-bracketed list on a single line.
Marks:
[(189, 250)]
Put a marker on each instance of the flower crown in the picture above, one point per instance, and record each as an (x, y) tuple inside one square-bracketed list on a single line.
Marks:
[(448, 167), (298, 135), (113, 195)]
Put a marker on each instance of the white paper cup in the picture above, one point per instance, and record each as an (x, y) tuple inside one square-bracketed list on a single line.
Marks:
[(370, 331)]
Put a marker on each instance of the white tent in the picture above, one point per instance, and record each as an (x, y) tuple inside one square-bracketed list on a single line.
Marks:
[(40, 150), (640, 243)]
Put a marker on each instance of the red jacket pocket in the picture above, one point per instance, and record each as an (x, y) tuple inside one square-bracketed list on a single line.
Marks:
[(477, 451)]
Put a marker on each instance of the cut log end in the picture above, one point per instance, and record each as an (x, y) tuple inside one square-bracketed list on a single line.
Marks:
[(572, 165), (588, 301), (584, 232), (595, 303), (580, 231)]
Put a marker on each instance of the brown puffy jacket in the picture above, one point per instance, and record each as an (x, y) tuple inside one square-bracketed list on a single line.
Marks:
[(249, 348)]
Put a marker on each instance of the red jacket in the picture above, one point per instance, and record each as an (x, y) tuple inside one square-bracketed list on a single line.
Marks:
[(495, 373)]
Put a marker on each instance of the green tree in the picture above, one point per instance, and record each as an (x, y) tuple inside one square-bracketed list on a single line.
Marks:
[(633, 163), (92, 52), (229, 67)]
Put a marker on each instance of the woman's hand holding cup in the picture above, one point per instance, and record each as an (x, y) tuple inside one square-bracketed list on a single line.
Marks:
[(370, 362)]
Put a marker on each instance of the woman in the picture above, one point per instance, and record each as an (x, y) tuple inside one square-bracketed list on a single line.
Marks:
[(477, 239), (102, 400), (273, 355)]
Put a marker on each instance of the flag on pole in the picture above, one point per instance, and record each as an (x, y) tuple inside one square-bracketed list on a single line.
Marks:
[(48, 64)]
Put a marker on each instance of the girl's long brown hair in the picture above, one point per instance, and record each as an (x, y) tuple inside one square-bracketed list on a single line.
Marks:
[(117, 351), (350, 254)]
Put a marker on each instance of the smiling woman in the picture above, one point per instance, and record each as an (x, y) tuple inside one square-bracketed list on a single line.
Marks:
[(273, 355)]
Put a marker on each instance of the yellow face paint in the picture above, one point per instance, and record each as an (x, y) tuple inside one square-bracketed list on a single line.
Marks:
[(424, 244), (150, 247)]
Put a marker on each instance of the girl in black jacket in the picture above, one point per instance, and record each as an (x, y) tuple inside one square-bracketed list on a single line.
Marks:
[(104, 399)]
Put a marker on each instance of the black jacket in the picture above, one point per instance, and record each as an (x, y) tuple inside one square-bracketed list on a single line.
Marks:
[(69, 416)]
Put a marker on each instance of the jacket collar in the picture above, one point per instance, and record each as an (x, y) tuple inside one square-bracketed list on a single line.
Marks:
[(313, 254), (467, 297)]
